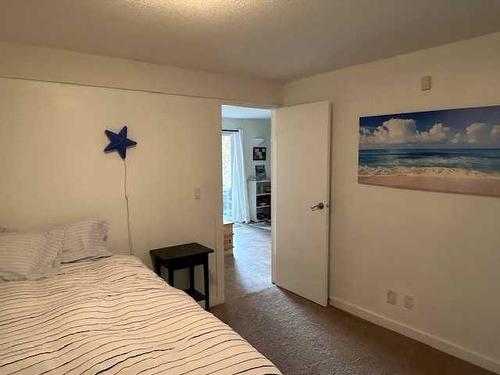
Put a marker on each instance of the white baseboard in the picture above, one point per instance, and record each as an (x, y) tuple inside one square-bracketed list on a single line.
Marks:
[(424, 337)]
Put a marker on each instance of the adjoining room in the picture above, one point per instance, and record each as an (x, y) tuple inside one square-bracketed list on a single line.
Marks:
[(247, 187)]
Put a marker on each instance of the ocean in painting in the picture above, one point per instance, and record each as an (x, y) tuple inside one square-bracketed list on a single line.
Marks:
[(461, 162)]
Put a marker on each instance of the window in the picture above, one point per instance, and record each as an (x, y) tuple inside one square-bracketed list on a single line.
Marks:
[(227, 177)]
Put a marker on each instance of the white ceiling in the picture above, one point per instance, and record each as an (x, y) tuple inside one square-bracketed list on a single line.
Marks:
[(277, 39), (231, 111)]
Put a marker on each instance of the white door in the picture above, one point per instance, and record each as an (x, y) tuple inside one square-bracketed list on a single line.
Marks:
[(301, 199)]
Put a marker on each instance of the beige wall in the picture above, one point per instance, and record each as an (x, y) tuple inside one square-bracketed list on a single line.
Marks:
[(52, 140), (252, 128), (38, 63), (443, 249)]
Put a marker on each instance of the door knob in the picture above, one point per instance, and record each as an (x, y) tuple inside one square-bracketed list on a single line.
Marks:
[(318, 206)]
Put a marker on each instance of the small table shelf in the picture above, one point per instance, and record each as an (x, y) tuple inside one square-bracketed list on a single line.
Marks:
[(184, 256)]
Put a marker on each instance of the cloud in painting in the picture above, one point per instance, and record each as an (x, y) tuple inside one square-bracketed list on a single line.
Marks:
[(405, 131), (478, 134), (495, 134), (437, 134)]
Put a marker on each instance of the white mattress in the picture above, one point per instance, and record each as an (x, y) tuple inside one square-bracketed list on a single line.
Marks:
[(115, 316)]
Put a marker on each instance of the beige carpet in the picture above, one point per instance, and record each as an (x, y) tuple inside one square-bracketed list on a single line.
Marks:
[(301, 337)]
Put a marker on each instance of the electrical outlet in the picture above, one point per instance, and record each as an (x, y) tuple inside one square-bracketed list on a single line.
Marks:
[(409, 302), (391, 297)]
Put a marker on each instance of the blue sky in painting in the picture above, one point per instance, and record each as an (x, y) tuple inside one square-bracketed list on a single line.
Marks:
[(455, 128)]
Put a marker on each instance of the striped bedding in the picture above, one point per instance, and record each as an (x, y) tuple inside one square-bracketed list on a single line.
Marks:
[(115, 316)]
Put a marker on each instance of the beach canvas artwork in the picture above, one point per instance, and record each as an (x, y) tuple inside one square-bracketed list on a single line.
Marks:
[(452, 150)]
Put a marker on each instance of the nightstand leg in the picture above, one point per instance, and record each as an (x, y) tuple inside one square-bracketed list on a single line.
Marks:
[(158, 269), (171, 276), (191, 277), (157, 266), (207, 287)]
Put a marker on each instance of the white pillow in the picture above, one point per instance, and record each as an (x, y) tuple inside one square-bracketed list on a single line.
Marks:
[(29, 255), (85, 240)]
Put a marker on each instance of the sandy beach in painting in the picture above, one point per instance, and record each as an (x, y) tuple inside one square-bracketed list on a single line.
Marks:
[(455, 180)]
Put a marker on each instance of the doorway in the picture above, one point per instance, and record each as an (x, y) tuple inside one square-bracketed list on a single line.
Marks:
[(247, 185)]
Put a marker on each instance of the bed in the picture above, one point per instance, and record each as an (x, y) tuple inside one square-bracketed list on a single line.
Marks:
[(114, 316)]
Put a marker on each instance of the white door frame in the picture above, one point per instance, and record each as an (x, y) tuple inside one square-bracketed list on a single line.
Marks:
[(273, 194)]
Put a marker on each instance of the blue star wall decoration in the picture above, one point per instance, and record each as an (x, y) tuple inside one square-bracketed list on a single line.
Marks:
[(119, 142)]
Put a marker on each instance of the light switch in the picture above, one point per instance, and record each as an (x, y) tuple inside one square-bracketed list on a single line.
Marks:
[(426, 83), (197, 193)]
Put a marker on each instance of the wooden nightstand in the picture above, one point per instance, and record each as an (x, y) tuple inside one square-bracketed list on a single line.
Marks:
[(228, 238), (184, 256)]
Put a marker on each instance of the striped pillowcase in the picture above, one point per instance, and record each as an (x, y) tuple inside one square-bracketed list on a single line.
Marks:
[(85, 240), (30, 255)]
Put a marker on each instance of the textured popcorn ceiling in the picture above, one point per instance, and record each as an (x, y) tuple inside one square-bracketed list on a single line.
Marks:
[(277, 39)]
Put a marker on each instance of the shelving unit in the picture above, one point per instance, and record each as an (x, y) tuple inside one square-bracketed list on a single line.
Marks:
[(259, 196)]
